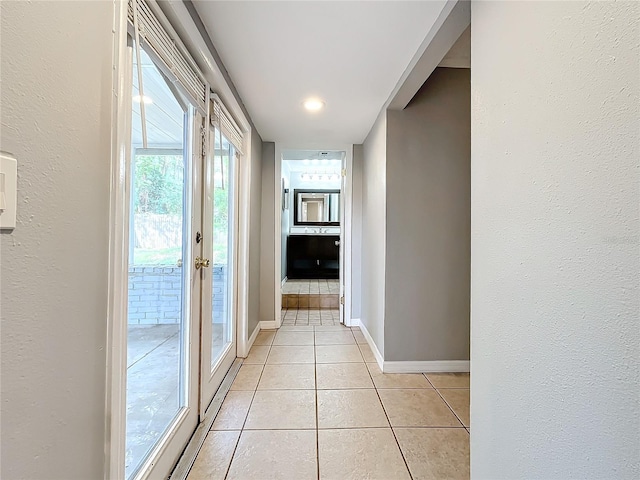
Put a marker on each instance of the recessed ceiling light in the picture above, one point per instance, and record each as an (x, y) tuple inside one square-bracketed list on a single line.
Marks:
[(313, 104), (145, 99)]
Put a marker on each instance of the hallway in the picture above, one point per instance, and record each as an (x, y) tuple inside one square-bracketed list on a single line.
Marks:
[(309, 402)]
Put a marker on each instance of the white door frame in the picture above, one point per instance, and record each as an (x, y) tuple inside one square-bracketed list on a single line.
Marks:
[(345, 230)]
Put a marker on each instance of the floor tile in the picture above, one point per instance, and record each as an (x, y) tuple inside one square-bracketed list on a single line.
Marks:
[(360, 339), (282, 410), (214, 457), (367, 353), (275, 455), (350, 409), (288, 377), (449, 380), (335, 338), (257, 355), (360, 453), (265, 337), (331, 328), (340, 354), (458, 400), (293, 338), (417, 408), (233, 411), (396, 380), (247, 377), (291, 354), (296, 329), (435, 453), (333, 376)]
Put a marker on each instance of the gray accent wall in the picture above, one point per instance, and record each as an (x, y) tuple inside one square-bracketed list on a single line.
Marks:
[(255, 231), (428, 252), (356, 231), (267, 234), (374, 208), (56, 97)]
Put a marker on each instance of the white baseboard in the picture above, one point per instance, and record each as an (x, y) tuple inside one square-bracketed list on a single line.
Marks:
[(426, 366), (372, 344), (354, 322), (268, 325)]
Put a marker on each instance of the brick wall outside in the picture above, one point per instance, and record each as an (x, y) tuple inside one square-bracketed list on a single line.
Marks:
[(155, 293)]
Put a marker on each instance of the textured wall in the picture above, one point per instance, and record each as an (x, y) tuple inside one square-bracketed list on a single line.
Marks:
[(555, 240), (56, 94), (429, 222), (373, 230)]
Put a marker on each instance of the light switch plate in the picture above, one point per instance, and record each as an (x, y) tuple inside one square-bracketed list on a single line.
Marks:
[(8, 190)]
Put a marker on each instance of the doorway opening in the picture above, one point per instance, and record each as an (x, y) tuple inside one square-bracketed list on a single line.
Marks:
[(313, 206)]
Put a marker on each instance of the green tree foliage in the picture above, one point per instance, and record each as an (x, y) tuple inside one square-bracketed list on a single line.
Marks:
[(159, 181)]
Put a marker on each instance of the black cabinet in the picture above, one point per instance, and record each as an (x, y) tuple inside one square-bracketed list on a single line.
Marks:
[(313, 256)]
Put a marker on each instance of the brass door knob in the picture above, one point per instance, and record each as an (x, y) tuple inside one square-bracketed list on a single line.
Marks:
[(202, 262)]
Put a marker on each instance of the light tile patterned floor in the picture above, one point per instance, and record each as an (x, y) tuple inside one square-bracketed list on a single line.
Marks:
[(313, 287), (309, 402), (292, 317)]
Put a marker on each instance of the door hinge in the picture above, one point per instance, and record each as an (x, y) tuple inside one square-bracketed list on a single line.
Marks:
[(341, 300), (344, 172), (203, 138)]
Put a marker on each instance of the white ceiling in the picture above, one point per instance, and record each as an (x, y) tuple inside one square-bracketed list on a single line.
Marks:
[(350, 54)]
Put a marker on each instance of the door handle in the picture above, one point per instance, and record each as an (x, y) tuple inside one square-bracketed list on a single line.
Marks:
[(202, 262), (337, 242)]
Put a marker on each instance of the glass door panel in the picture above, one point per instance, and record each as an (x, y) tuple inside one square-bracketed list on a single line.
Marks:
[(222, 298), (218, 286), (159, 266)]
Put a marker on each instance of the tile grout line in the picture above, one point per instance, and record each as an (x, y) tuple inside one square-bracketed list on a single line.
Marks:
[(393, 432), (235, 449), (445, 402)]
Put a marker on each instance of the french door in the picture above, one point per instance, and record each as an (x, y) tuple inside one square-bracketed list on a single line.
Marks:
[(219, 228), (181, 302)]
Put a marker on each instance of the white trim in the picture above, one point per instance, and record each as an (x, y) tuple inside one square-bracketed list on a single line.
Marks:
[(244, 220), (284, 280), (372, 345), (269, 325), (251, 340), (116, 344), (277, 232), (355, 322), (432, 366), (346, 237)]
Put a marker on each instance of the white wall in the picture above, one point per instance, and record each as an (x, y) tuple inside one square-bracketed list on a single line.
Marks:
[(374, 230), (555, 240), (56, 94)]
